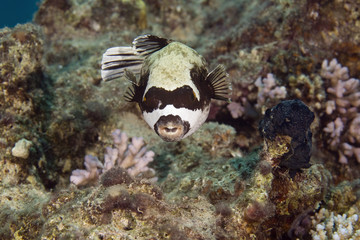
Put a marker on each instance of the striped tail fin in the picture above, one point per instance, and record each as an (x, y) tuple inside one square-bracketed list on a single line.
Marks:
[(115, 60)]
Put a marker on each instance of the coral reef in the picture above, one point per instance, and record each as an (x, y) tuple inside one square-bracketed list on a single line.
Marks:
[(272, 200), (123, 211), (133, 157), (335, 218), (309, 89), (52, 96), (22, 50), (246, 165), (72, 18), (24, 104), (338, 216), (21, 211), (185, 162)]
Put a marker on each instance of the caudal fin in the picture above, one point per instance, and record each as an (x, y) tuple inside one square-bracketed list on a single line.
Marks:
[(115, 60)]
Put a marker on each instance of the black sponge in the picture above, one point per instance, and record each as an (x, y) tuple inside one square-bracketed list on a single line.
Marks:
[(291, 118)]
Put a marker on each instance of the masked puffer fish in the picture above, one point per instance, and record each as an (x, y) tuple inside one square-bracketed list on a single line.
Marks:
[(174, 90)]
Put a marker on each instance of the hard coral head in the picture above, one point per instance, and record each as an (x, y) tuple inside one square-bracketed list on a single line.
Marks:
[(171, 128)]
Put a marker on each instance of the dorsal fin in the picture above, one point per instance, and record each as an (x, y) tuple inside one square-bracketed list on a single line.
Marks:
[(115, 60), (219, 83), (148, 44)]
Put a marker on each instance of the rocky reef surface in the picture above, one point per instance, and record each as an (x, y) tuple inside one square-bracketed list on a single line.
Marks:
[(296, 178)]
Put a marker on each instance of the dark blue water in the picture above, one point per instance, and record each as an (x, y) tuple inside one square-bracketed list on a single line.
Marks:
[(13, 12)]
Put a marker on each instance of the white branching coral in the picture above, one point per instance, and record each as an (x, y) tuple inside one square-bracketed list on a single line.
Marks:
[(335, 130), (268, 94), (328, 225), (133, 157), (236, 109), (343, 102), (268, 89), (93, 170), (343, 91)]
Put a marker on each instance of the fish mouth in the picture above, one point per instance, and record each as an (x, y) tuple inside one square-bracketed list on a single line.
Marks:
[(171, 128)]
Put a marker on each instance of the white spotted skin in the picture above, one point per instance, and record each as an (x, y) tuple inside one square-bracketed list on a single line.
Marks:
[(195, 117), (169, 68)]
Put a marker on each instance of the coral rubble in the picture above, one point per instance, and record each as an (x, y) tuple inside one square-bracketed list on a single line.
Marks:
[(21, 148)]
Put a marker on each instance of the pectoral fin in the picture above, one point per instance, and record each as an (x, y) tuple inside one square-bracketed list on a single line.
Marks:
[(219, 84)]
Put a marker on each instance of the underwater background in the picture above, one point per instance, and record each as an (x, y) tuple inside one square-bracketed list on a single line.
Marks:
[(281, 161), (17, 11)]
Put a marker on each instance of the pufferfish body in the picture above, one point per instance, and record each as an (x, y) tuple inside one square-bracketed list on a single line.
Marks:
[(175, 89)]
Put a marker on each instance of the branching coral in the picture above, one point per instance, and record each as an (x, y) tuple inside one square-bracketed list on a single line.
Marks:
[(343, 101), (133, 157), (236, 109), (344, 96), (268, 90), (328, 225), (268, 94)]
